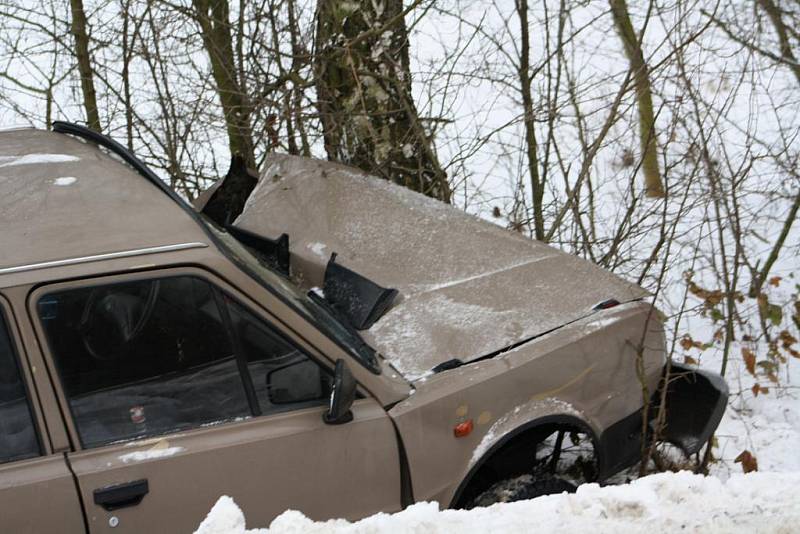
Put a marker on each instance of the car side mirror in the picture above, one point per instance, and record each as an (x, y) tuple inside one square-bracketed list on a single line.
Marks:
[(342, 395), (298, 381)]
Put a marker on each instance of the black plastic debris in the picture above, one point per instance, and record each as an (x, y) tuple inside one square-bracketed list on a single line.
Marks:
[(446, 366), (274, 252), (360, 300)]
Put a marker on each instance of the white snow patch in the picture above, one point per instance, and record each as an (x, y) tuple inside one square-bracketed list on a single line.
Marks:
[(318, 249), (602, 323), (65, 180), (318, 291), (666, 502), (150, 454), (224, 517), (31, 159), (450, 283), (497, 430)]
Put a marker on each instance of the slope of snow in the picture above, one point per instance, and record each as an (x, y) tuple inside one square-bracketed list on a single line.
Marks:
[(666, 502), (768, 426)]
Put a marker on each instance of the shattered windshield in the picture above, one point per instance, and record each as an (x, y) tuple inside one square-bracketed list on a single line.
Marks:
[(314, 310)]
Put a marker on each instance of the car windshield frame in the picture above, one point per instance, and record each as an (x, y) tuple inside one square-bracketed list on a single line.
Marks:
[(321, 316)]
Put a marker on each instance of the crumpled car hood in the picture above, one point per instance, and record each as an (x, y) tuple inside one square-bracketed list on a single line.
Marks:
[(468, 288)]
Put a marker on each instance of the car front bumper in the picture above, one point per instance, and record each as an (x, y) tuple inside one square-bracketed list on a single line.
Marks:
[(695, 401)]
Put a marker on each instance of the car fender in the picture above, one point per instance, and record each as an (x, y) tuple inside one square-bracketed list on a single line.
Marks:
[(535, 412)]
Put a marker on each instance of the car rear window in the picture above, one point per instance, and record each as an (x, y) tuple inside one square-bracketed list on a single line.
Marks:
[(17, 431)]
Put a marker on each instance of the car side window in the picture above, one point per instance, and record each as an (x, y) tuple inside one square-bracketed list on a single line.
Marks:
[(283, 377), (17, 431), (143, 358), (162, 355)]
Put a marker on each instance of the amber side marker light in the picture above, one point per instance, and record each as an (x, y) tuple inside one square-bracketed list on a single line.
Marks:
[(463, 429)]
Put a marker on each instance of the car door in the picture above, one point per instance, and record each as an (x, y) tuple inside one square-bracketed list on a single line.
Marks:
[(32, 478), (178, 390)]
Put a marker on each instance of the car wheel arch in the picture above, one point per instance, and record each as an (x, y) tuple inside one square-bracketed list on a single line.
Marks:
[(523, 434)]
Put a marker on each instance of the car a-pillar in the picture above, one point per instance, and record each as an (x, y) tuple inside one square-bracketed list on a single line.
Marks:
[(549, 455)]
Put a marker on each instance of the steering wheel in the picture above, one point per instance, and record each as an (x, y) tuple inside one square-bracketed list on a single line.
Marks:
[(111, 319)]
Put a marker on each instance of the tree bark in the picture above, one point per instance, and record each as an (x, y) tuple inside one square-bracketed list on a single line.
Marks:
[(215, 28), (647, 133), (369, 118), (81, 35), (532, 149), (774, 14)]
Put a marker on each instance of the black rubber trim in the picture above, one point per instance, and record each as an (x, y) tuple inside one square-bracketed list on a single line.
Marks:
[(406, 487), (239, 352), (141, 168), (621, 445)]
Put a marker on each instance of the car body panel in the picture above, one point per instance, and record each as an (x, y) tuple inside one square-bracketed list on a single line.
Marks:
[(467, 287), (589, 376), (60, 195), (39, 495), (267, 464)]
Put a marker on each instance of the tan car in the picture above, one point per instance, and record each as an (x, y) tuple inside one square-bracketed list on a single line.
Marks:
[(343, 347)]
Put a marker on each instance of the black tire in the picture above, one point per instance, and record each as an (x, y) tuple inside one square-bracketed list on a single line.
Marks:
[(520, 489)]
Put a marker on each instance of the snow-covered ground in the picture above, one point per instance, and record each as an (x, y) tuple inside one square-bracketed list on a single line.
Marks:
[(768, 426), (666, 502)]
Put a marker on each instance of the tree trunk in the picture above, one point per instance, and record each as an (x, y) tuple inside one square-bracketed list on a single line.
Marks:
[(363, 82), (531, 146), (774, 14), (215, 28), (647, 132), (81, 35)]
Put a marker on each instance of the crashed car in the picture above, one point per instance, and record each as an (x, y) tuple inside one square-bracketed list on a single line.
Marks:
[(341, 346)]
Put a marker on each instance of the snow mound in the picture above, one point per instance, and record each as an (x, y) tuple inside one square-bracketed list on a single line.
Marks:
[(671, 502), (224, 518)]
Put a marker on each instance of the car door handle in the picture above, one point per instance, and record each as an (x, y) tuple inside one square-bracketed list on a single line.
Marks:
[(121, 495)]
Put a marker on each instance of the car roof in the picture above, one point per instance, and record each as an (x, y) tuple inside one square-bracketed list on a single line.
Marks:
[(63, 198)]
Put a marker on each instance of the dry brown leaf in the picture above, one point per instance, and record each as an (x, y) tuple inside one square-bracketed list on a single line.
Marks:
[(775, 281), (688, 360), (787, 339), (749, 360), (772, 378), (748, 461)]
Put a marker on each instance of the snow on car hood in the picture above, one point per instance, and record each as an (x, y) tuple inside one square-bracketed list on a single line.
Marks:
[(467, 287)]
